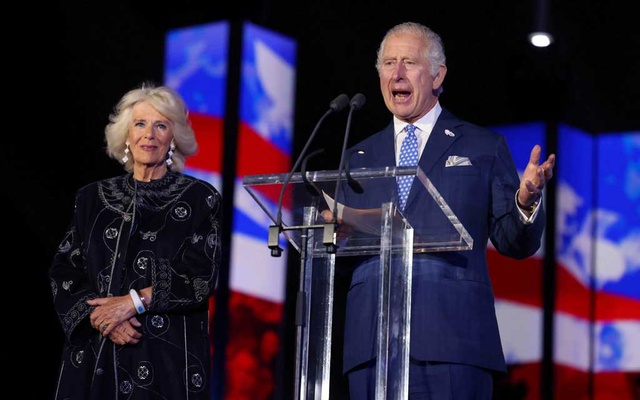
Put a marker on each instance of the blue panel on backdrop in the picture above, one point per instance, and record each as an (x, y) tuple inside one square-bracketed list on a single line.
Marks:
[(618, 173), (196, 66), (521, 139), (268, 85)]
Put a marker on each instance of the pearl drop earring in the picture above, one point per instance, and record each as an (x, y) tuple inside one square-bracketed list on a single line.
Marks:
[(126, 152), (172, 147)]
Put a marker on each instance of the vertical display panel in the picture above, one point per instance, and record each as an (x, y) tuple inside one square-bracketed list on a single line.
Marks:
[(257, 281), (615, 277), (197, 66), (597, 319)]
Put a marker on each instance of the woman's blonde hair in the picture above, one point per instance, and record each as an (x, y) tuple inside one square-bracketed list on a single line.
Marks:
[(167, 102)]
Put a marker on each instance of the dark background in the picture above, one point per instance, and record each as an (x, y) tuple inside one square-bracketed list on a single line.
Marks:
[(74, 60)]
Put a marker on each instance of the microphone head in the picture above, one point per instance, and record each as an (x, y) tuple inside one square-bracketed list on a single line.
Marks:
[(357, 101), (339, 102)]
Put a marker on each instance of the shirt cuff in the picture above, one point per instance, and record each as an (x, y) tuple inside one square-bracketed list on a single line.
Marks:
[(528, 220)]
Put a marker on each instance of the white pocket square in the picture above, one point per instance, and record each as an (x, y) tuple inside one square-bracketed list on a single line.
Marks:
[(456, 161)]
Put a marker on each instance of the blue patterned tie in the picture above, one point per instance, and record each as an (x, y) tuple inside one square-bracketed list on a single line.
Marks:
[(408, 156)]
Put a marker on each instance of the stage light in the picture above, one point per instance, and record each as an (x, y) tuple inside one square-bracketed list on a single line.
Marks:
[(540, 39)]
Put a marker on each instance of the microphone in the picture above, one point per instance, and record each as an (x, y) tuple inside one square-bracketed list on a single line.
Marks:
[(355, 104), (357, 101), (336, 105)]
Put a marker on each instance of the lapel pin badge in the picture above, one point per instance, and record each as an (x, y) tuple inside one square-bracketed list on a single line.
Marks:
[(449, 133)]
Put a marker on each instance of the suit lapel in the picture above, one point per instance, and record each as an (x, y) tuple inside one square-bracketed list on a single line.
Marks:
[(377, 154), (384, 156), (442, 137)]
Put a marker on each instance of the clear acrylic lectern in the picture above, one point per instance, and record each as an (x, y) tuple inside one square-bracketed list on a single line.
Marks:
[(381, 231)]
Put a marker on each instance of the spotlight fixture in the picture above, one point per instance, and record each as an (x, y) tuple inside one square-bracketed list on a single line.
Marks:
[(540, 39)]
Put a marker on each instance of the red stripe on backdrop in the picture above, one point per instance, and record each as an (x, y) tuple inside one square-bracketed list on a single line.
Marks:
[(521, 281), (209, 136), (522, 382), (258, 156), (516, 280), (573, 298), (574, 384)]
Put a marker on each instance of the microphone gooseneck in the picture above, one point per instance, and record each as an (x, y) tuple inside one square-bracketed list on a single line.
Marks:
[(336, 105), (311, 187), (351, 181), (356, 103)]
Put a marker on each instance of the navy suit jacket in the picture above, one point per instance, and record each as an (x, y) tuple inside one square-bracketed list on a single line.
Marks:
[(453, 315)]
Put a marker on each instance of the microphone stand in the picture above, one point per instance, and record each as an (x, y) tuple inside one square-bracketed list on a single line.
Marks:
[(302, 353), (330, 228), (301, 361)]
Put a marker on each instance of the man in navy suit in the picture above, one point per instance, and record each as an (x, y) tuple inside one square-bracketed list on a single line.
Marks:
[(455, 344)]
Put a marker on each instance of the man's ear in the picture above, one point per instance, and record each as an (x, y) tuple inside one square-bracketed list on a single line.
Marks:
[(439, 78)]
